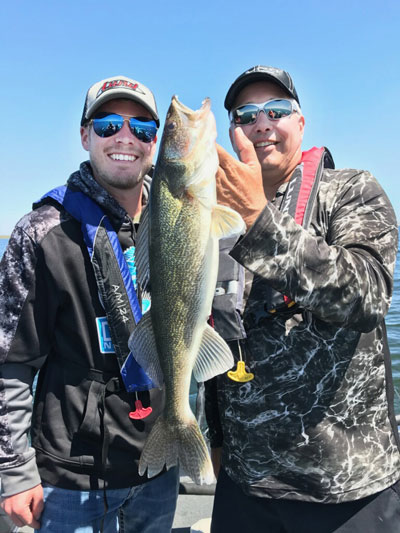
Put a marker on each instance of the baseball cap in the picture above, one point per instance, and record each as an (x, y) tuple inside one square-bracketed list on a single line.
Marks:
[(261, 73), (118, 87)]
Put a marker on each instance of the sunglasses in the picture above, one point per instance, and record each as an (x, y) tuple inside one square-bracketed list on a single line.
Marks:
[(274, 110), (108, 124)]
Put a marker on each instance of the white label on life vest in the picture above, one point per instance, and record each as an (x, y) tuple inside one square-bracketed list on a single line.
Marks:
[(103, 332)]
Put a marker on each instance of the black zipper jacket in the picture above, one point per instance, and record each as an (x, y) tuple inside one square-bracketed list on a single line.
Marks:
[(48, 308)]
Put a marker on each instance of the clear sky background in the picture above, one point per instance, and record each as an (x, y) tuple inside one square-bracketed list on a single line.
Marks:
[(344, 57)]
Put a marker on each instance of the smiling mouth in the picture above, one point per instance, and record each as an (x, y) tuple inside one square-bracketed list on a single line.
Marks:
[(264, 143), (123, 157)]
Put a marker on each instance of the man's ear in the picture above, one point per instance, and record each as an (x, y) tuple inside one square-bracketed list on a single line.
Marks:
[(302, 123), (85, 137)]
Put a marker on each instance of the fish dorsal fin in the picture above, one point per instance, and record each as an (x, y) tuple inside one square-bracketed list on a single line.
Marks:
[(142, 344), (226, 222), (214, 357), (142, 250)]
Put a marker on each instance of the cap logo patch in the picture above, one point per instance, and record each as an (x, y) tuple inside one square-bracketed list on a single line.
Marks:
[(119, 83)]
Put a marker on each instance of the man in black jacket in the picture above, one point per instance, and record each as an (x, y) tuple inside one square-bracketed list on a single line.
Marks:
[(305, 423), (68, 304)]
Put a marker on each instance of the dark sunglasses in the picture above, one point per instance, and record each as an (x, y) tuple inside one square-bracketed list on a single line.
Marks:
[(108, 124), (274, 110)]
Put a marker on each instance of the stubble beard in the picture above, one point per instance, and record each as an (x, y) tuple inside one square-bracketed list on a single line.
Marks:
[(126, 182)]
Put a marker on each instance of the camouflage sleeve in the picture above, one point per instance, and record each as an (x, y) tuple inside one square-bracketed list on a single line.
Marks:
[(341, 270), (18, 471)]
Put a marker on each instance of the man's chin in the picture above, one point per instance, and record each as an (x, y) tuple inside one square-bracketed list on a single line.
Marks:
[(118, 181), (125, 184), (125, 181), (121, 179), (268, 164)]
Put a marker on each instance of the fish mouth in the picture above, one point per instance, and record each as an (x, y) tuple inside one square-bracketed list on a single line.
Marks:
[(187, 131), (192, 115)]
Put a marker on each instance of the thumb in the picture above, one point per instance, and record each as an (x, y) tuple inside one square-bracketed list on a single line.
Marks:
[(225, 158), (37, 507), (247, 153)]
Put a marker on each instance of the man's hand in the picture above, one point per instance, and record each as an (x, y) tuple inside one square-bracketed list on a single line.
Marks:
[(25, 508), (239, 183)]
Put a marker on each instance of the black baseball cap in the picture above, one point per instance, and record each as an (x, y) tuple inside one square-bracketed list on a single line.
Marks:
[(261, 73)]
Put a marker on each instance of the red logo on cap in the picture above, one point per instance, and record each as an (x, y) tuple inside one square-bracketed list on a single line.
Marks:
[(119, 83)]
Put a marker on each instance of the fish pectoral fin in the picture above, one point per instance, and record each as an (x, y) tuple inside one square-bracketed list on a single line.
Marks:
[(142, 250), (226, 222), (142, 344), (199, 180), (214, 357)]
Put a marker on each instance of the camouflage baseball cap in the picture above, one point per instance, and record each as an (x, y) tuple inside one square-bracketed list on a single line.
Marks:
[(118, 87), (261, 73)]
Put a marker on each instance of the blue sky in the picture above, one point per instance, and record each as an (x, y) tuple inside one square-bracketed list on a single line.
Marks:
[(343, 56)]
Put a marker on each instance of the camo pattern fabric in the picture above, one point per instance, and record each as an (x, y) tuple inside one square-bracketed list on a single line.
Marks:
[(19, 259), (315, 423)]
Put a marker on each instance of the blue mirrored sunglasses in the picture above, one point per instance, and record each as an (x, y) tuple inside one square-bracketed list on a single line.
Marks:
[(108, 124), (274, 110)]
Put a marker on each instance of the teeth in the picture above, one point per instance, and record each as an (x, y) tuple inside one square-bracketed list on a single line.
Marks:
[(266, 143), (122, 157)]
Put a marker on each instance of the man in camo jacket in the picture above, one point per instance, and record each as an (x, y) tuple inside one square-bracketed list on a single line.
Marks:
[(307, 429)]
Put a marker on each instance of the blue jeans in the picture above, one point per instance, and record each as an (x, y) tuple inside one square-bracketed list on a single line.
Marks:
[(147, 508)]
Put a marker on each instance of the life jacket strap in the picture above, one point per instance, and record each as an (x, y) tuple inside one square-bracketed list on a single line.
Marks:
[(114, 282)]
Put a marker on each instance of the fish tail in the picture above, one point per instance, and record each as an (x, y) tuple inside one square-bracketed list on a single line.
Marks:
[(183, 444)]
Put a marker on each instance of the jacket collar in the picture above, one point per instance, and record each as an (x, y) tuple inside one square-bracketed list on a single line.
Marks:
[(84, 181)]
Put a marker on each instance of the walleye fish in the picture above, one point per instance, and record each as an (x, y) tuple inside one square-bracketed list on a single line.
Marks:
[(177, 250)]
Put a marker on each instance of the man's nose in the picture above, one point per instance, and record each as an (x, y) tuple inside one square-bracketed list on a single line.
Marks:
[(263, 123), (125, 135)]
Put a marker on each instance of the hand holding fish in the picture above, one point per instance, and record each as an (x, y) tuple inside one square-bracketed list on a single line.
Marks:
[(239, 183)]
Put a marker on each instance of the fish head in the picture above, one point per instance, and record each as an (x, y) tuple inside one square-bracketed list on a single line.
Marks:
[(187, 151)]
